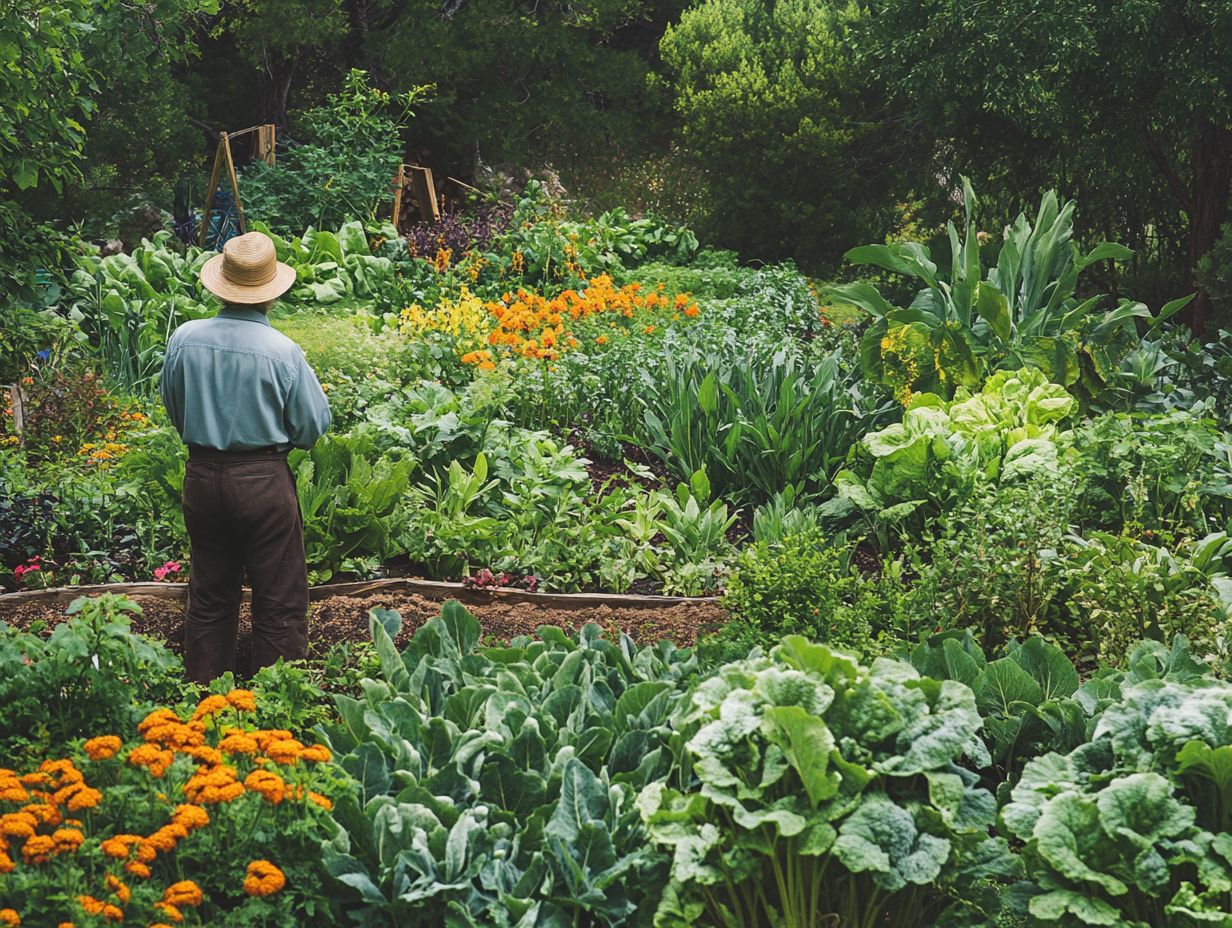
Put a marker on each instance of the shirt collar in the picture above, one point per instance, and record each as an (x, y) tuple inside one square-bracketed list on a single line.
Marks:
[(244, 313)]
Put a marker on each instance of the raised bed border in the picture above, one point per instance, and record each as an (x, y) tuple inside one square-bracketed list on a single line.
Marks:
[(430, 589)]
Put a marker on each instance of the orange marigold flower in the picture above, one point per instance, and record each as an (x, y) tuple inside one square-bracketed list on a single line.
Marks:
[(38, 849), (146, 852), (157, 717), (243, 700), (6, 863), (170, 912), (184, 893), (91, 905), (102, 747), (210, 706), (66, 925), (114, 847), (191, 817), (45, 812), (9, 917), (18, 824), (85, 798), (113, 913), (238, 744), (68, 839), (152, 757), (691, 311), (37, 778), (285, 751), (263, 879), (265, 737), (318, 753), (204, 754), (268, 784), (138, 869), (116, 885), (322, 801), (14, 792)]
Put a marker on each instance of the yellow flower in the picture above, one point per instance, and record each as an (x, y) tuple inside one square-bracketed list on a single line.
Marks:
[(9, 917)]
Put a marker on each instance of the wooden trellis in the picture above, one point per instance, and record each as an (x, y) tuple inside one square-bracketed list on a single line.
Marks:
[(264, 151)]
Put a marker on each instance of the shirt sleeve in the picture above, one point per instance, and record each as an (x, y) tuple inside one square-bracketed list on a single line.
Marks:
[(307, 415), (168, 389)]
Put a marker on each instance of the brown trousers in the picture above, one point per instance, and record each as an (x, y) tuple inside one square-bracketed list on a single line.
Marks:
[(242, 513)]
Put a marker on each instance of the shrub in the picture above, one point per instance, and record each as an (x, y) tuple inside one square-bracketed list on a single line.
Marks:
[(91, 675), (345, 167), (1121, 590), (991, 565), (1162, 473), (799, 585)]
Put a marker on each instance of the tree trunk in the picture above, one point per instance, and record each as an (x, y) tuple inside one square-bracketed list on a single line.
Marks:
[(273, 90), (1212, 182)]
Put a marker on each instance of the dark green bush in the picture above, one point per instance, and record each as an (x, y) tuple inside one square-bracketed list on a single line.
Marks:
[(800, 585)]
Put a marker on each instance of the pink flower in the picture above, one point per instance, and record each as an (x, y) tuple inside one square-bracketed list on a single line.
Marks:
[(171, 567)]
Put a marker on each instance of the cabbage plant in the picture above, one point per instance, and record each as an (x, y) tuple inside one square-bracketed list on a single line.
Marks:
[(1134, 827), (818, 791)]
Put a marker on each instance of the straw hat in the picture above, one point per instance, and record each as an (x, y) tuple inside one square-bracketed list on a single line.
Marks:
[(247, 271)]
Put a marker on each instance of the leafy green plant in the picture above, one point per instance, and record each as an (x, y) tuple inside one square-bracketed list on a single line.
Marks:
[(497, 785), (91, 674), (1011, 430), (820, 790), (1025, 698), (344, 168), (1162, 473), (348, 495), (1121, 590), (332, 267), (1023, 311), (1132, 827), (799, 584), (756, 426), (990, 564)]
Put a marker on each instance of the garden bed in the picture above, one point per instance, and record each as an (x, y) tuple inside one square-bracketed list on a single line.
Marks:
[(339, 612)]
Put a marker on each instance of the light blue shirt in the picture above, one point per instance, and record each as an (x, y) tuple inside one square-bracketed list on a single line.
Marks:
[(234, 383)]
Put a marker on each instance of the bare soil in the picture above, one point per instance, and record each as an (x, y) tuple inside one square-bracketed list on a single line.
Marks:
[(345, 618)]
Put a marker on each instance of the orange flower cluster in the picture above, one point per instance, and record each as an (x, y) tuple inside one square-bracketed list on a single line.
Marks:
[(41, 827), (530, 325), (263, 879)]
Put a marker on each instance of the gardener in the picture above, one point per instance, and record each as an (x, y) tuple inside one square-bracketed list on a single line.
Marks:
[(241, 395)]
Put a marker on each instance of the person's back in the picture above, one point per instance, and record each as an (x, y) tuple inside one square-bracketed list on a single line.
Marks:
[(244, 384), (241, 395)]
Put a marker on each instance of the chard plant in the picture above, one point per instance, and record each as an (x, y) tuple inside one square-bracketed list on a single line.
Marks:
[(818, 791)]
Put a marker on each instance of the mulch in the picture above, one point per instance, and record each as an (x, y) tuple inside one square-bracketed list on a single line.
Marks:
[(338, 619)]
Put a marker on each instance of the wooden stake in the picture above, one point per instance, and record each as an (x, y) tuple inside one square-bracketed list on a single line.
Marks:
[(425, 193), (265, 143), (19, 412), (235, 184), (399, 183)]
